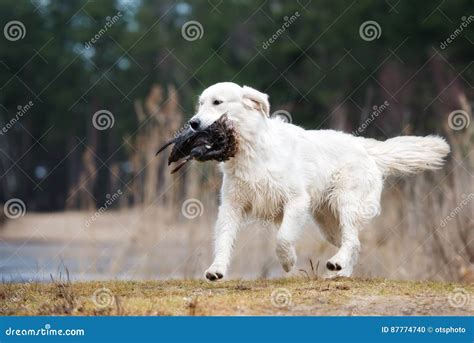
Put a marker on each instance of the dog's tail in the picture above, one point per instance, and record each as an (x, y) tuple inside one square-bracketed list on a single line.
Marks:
[(408, 154)]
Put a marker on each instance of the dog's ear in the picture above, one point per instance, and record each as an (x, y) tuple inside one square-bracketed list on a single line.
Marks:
[(257, 100)]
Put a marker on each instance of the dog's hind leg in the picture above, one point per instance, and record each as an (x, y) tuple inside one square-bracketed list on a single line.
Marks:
[(354, 208), (295, 216), (342, 264)]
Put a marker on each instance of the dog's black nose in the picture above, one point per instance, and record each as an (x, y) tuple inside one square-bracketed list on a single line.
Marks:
[(195, 123)]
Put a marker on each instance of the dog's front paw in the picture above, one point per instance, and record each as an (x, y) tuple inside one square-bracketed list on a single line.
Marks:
[(214, 273), (286, 256), (340, 264)]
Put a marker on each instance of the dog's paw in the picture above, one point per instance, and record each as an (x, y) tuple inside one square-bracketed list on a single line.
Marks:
[(339, 265), (287, 257), (214, 273), (333, 266)]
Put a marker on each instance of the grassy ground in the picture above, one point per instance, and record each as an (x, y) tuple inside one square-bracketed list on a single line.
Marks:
[(293, 296)]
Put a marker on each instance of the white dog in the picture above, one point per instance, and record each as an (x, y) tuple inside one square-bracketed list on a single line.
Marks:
[(288, 175)]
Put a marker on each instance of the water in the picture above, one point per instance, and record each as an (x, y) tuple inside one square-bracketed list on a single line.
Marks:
[(39, 260)]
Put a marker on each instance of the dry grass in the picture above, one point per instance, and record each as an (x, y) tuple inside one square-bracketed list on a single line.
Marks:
[(292, 296)]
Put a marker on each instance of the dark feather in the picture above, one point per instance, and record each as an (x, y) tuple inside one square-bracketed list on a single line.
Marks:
[(219, 142)]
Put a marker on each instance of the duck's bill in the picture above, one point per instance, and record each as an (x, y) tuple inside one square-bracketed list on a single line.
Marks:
[(183, 135), (188, 145), (167, 144)]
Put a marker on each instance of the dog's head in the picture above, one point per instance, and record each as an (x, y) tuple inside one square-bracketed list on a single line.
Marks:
[(225, 111), (241, 104)]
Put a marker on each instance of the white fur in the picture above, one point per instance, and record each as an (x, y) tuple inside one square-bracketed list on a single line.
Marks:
[(288, 175)]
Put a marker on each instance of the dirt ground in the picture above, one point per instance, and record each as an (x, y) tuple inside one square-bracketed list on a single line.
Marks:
[(293, 296)]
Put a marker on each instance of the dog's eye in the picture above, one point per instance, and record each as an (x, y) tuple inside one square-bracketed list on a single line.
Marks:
[(217, 102)]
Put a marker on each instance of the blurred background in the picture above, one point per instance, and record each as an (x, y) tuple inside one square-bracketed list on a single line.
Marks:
[(90, 89)]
